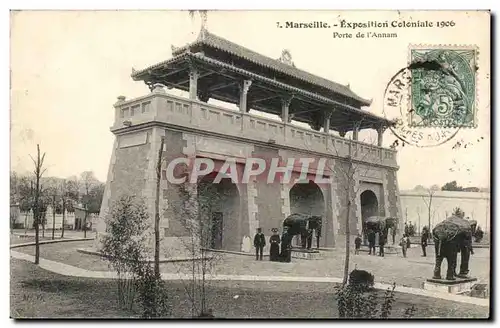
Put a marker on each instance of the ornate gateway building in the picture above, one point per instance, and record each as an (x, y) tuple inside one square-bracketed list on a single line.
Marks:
[(214, 68)]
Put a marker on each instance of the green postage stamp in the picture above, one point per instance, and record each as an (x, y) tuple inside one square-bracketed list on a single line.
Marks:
[(443, 87)]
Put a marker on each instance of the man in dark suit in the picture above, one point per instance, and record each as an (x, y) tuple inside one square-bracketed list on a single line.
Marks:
[(424, 240), (259, 241), (371, 241), (381, 243)]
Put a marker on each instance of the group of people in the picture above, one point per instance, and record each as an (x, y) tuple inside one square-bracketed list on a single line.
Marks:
[(404, 242), (371, 236), (259, 242)]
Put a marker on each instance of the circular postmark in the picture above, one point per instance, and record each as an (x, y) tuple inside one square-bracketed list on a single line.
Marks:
[(431, 99)]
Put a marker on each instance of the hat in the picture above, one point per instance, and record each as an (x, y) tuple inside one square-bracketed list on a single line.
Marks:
[(259, 229), (274, 229)]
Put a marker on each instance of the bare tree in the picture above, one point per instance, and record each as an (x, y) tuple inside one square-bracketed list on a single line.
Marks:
[(428, 198), (38, 171), (194, 210), (348, 170), (63, 191), (157, 208)]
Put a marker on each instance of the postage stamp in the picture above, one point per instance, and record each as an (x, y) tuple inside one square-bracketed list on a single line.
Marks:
[(443, 97), (432, 98)]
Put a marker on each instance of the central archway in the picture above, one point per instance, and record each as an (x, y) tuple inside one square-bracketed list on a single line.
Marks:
[(307, 198), (219, 210), (369, 207)]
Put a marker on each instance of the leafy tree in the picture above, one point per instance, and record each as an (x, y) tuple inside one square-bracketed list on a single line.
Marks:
[(452, 186), (95, 197), (125, 248), (419, 188)]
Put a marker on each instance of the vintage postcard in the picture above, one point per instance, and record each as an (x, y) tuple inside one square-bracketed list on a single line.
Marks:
[(250, 164)]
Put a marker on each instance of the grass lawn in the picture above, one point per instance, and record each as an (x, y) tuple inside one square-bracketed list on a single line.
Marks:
[(42, 294)]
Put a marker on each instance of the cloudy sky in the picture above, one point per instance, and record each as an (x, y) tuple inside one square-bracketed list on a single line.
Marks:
[(67, 68)]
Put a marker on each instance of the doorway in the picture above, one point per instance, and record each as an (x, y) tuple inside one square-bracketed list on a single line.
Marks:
[(217, 229)]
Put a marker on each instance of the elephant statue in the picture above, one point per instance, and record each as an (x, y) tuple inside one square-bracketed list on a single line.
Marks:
[(303, 225), (452, 236), (381, 224)]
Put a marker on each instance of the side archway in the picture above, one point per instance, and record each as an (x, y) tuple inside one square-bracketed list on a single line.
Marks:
[(307, 198), (219, 210), (369, 207)]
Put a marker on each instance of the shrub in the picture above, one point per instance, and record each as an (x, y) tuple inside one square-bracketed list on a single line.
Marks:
[(125, 248), (152, 293), (362, 279), (356, 301)]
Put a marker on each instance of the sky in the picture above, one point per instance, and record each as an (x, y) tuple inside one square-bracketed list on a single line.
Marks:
[(68, 68)]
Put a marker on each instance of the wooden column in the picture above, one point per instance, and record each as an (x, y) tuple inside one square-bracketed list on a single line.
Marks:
[(244, 87), (285, 105), (355, 133), (326, 124), (193, 83), (380, 132)]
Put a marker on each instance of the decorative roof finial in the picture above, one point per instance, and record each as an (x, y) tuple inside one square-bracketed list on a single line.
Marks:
[(286, 57), (349, 86), (133, 71)]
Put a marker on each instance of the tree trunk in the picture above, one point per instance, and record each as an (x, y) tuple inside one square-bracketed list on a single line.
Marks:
[(430, 206), (85, 222), (347, 240), (53, 215), (36, 210), (157, 210), (63, 217), (26, 223)]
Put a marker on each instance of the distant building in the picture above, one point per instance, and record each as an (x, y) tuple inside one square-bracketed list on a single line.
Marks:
[(476, 206)]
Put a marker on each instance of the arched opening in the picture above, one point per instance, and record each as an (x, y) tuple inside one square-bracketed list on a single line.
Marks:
[(219, 210), (369, 207), (307, 198)]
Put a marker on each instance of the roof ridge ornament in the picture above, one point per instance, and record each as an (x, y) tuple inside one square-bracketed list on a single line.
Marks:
[(286, 57)]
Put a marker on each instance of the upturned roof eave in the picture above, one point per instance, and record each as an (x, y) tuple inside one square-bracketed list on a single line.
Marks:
[(142, 75)]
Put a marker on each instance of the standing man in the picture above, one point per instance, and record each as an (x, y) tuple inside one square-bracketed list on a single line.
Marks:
[(371, 241), (259, 241), (357, 244), (381, 243), (286, 246), (423, 240), (404, 244), (309, 238)]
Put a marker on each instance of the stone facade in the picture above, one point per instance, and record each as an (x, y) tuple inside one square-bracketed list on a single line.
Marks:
[(210, 134)]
